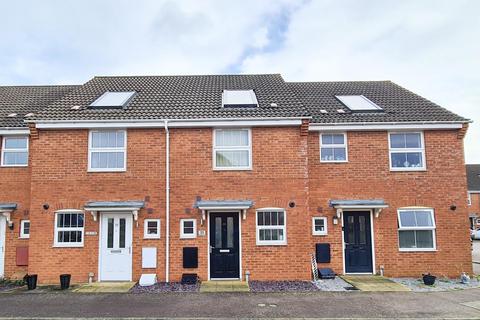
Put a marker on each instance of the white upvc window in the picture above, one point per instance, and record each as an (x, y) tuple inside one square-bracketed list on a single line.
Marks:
[(232, 149), (151, 229), (319, 226), (271, 226), (407, 151), (188, 228), (107, 150), (416, 229), (15, 151), (25, 229), (69, 229), (333, 147)]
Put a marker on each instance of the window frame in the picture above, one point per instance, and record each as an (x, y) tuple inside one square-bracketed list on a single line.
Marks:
[(24, 235), (146, 235), (325, 223), (4, 139), (184, 235), (248, 148), (344, 145), (57, 229), (407, 150), (469, 198), (91, 150), (432, 228), (258, 228)]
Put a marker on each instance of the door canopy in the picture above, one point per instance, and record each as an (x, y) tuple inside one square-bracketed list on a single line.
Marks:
[(377, 205)]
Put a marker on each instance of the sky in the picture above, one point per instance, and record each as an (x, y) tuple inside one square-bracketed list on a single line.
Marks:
[(431, 47)]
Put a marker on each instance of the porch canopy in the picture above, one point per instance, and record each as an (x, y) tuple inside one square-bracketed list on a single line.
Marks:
[(241, 205), (96, 206), (6, 209), (377, 205)]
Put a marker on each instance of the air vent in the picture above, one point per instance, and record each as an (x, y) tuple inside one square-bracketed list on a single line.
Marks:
[(11, 115), (75, 108), (323, 111), (341, 111), (273, 105), (29, 115)]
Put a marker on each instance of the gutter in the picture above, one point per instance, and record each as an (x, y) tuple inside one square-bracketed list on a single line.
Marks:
[(167, 202)]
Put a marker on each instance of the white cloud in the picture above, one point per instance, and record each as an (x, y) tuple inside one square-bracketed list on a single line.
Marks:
[(430, 47)]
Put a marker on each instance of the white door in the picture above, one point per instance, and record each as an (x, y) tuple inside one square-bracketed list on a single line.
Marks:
[(3, 223), (116, 247)]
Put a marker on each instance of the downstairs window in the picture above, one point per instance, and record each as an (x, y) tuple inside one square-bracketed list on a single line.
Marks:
[(416, 229)]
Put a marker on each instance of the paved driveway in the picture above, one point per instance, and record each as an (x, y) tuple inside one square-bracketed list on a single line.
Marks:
[(245, 305), (476, 256)]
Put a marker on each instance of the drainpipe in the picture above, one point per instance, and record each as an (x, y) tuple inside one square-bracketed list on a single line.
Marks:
[(167, 202)]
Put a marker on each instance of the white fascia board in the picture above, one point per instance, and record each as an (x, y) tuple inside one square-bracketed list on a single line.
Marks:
[(373, 126), (473, 191), (15, 132), (269, 122)]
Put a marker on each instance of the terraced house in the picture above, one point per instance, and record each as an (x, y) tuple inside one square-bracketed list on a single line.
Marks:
[(226, 176)]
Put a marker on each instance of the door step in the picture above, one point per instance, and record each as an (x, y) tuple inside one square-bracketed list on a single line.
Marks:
[(374, 283), (105, 287), (224, 286)]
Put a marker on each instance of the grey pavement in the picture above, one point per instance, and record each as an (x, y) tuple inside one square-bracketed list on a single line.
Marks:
[(244, 305)]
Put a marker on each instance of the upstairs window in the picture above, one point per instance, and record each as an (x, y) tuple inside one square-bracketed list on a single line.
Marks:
[(113, 100), (416, 229), (333, 147), (232, 149), (151, 229), (407, 151), (271, 227), (107, 151), (15, 152), (239, 99), (358, 103)]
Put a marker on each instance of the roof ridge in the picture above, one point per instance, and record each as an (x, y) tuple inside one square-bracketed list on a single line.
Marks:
[(347, 81), (189, 75), (41, 86)]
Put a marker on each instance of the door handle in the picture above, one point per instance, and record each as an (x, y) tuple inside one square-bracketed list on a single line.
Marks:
[(115, 251), (210, 249)]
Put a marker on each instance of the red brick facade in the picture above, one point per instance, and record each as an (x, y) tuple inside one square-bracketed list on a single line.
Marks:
[(286, 171)]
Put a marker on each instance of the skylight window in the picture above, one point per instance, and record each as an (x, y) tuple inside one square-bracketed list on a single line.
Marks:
[(113, 100), (239, 99), (358, 103)]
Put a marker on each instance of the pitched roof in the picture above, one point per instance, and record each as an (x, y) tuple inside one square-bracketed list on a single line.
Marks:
[(178, 97), (22, 100), (473, 177), (398, 104)]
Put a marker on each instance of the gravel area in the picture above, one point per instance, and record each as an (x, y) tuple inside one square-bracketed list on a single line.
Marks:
[(8, 285), (166, 287), (440, 284), (282, 286), (337, 284)]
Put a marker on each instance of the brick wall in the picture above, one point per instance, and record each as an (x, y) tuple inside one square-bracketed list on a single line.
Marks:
[(286, 168), (15, 187), (367, 176)]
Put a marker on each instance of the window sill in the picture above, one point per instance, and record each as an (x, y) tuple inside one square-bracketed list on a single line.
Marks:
[(271, 244), (319, 234), (417, 250), (232, 169), (186, 238), (407, 170), (67, 246), (102, 170), (333, 161), (23, 238), (14, 166), (151, 238)]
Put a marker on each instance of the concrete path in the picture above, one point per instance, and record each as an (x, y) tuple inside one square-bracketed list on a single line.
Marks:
[(453, 304), (476, 256), (374, 284), (105, 287), (224, 286)]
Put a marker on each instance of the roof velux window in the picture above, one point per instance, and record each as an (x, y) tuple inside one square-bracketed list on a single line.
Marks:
[(113, 100), (239, 99), (358, 103)]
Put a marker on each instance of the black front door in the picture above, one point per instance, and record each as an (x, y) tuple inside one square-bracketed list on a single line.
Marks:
[(358, 242), (224, 245)]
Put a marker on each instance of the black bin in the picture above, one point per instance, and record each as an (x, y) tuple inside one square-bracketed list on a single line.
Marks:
[(31, 281), (65, 281)]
